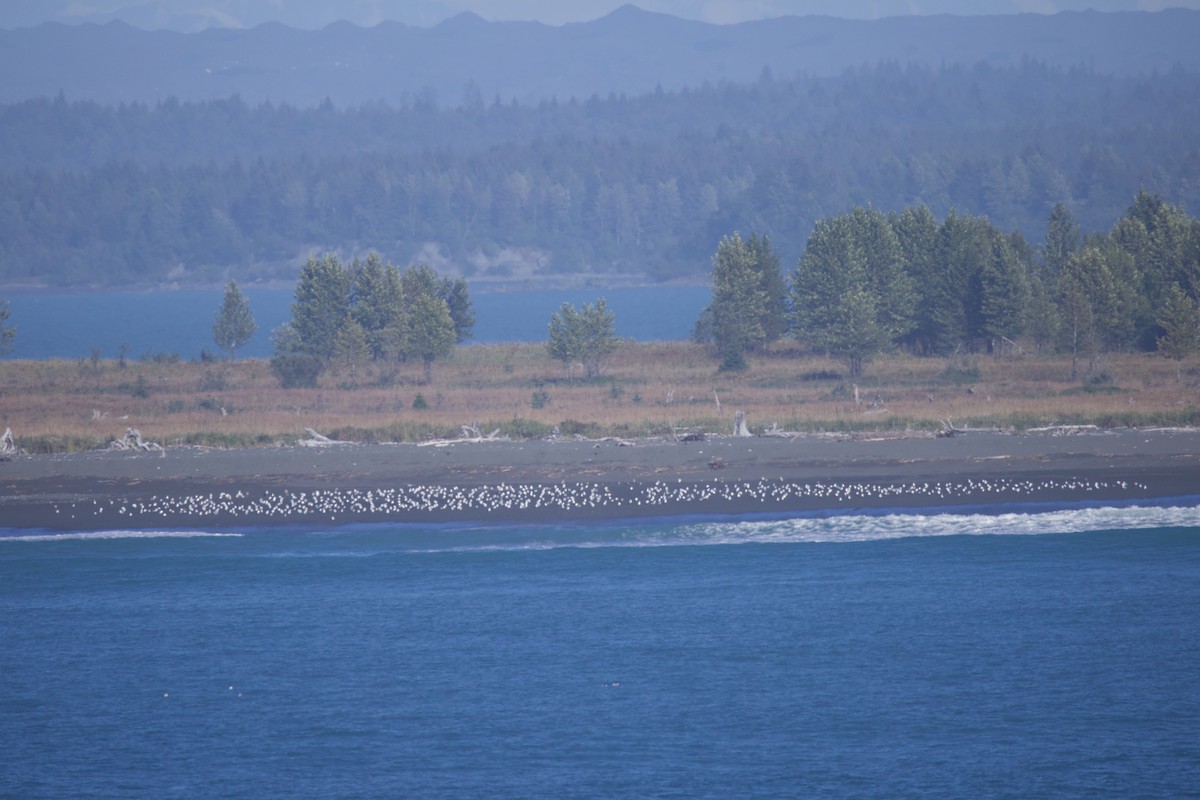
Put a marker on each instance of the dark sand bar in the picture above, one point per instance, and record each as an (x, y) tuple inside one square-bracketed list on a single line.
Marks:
[(549, 481)]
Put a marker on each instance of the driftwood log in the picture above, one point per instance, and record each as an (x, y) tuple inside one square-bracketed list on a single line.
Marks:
[(317, 440), (7, 446), (470, 435), (133, 441)]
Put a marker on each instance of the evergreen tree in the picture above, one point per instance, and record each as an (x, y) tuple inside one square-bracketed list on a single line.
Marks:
[(954, 293), (774, 288), (321, 306), (235, 323), (7, 332), (1041, 314), (1085, 287), (378, 302), (916, 231), (740, 306), (1181, 321), (851, 295), (462, 311), (350, 348), (423, 279), (1004, 291), (1062, 240), (1164, 244), (430, 333)]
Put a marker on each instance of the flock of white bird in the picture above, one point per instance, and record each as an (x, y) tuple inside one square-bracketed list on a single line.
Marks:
[(567, 498)]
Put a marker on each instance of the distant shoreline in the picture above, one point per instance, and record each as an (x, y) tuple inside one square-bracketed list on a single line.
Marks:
[(555, 481)]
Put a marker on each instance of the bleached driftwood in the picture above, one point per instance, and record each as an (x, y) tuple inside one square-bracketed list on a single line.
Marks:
[(779, 433), (579, 437), (7, 446), (470, 435), (1065, 430), (317, 440), (132, 440), (948, 430), (739, 424)]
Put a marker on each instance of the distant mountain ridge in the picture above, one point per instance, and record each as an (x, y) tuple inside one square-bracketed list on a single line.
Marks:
[(628, 51)]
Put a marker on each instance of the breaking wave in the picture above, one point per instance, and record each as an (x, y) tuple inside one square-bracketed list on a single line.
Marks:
[(826, 529)]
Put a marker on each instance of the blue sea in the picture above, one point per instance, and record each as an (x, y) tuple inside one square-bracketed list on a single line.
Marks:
[(1046, 654), (70, 324)]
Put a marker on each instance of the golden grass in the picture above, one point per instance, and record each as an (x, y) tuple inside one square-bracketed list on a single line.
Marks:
[(646, 389)]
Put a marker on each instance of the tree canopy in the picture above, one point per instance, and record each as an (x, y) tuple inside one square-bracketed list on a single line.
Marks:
[(7, 332), (370, 310), (235, 323), (203, 191), (868, 282), (585, 335)]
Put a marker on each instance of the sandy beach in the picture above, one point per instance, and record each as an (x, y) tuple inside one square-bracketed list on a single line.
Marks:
[(549, 481)]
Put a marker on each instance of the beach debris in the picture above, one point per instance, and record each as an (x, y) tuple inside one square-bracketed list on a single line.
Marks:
[(133, 441), (948, 430), (739, 424), (694, 436), (473, 433), (716, 463), (7, 446), (470, 435), (579, 437), (780, 433), (317, 440), (1066, 430)]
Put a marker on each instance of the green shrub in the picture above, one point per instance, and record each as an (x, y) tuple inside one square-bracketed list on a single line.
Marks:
[(297, 370)]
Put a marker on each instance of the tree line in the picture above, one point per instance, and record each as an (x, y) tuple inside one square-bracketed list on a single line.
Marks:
[(95, 194), (368, 310), (868, 282)]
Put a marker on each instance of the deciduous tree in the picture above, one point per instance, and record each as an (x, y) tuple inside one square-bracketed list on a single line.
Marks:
[(586, 335)]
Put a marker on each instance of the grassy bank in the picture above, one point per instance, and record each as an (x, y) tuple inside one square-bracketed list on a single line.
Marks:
[(647, 389)]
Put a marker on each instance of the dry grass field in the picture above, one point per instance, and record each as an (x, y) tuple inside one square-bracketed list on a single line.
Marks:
[(647, 389)]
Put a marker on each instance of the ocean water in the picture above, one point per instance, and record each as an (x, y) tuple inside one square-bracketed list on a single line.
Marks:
[(70, 324), (1051, 654)]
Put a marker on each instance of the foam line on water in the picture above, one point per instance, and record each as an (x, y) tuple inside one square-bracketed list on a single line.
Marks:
[(896, 526), (849, 528), (95, 535)]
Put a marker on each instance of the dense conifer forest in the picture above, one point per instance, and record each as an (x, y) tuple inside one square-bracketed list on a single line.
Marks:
[(201, 192)]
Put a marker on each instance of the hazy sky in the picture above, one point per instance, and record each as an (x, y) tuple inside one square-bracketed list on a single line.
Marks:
[(199, 14), (724, 11)]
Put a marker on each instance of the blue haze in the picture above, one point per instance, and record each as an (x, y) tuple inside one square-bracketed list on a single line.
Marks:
[(850, 657), (70, 324)]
